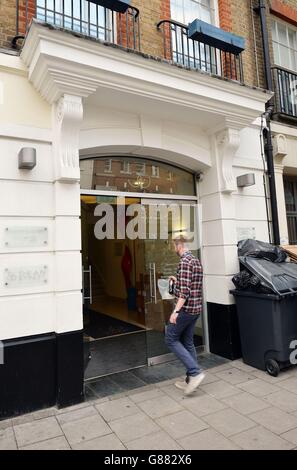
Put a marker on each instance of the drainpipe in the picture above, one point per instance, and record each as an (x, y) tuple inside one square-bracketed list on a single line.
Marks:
[(268, 149), (267, 135)]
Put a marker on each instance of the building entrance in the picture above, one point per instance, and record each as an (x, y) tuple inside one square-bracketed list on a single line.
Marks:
[(127, 257)]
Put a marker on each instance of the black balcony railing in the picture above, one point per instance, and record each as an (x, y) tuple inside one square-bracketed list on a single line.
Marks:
[(285, 89), (180, 49), (292, 227), (83, 17)]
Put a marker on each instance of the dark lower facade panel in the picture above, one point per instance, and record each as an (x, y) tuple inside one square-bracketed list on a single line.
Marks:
[(41, 371), (224, 336)]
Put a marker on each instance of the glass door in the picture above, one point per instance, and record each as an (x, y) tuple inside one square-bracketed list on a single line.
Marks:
[(165, 219)]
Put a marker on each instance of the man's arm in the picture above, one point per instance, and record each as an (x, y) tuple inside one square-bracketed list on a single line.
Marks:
[(185, 276), (178, 307)]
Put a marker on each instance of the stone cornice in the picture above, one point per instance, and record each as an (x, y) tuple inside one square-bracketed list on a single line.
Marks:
[(60, 62)]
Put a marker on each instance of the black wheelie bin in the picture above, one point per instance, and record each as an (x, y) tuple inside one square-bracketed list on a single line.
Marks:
[(266, 309)]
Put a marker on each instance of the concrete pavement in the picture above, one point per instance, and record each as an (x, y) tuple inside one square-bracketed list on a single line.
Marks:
[(236, 407)]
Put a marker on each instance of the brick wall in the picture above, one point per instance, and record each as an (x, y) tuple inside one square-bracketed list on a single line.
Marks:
[(151, 12), (7, 22), (285, 9), (236, 16)]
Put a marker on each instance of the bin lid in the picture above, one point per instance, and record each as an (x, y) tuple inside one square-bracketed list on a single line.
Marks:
[(281, 278)]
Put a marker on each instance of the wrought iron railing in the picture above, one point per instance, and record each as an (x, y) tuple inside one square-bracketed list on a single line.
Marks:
[(83, 17), (292, 227), (180, 49), (285, 89)]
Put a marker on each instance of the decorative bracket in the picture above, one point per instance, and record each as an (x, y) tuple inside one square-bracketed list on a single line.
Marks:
[(227, 143), (280, 147), (67, 118)]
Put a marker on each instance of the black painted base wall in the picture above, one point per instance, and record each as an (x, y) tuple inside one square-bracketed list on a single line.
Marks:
[(224, 337), (41, 371)]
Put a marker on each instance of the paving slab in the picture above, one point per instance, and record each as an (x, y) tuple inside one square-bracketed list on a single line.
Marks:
[(290, 436), (258, 387), (275, 420), (203, 405), (234, 376), (209, 439), (7, 423), (157, 441), (179, 396), (146, 394), (283, 375), (116, 409), (245, 403), (85, 429), (7, 439), (214, 370), (286, 401), (76, 414), (219, 389), (133, 427), (181, 424), (229, 422), (108, 442), (57, 443), (260, 438), (289, 384), (159, 406), (38, 430), (242, 366)]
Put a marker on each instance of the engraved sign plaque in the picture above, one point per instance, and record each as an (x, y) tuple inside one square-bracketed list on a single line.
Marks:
[(244, 233), (25, 276), (20, 236)]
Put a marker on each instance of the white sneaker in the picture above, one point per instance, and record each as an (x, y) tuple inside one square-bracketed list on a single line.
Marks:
[(194, 383), (182, 385)]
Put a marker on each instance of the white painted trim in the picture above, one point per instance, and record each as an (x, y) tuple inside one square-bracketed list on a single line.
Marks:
[(61, 63), (280, 128), (12, 64), (34, 134), (91, 192)]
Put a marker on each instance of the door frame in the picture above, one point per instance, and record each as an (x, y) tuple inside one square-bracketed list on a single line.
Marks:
[(99, 192)]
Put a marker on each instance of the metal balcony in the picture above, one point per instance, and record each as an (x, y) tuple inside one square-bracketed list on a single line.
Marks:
[(285, 89), (82, 17), (180, 49)]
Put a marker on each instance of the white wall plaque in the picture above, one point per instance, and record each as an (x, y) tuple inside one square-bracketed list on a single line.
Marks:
[(25, 276), (20, 236), (244, 233)]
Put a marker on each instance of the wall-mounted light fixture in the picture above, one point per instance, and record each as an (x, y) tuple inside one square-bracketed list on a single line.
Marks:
[(246, 180), (27, 158)]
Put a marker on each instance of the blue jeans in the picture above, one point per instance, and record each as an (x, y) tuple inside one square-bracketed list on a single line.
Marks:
[(179, 338)]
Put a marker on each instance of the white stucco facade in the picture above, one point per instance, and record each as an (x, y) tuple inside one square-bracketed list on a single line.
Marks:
[(285, 163), (69, 97)]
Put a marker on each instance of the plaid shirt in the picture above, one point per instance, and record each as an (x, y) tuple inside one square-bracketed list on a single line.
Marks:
[(189, 283)]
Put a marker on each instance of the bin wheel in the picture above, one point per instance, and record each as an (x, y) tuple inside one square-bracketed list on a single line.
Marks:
[(272, 367)]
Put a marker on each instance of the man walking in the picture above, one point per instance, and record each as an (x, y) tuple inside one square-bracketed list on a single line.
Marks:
[(179, 335)]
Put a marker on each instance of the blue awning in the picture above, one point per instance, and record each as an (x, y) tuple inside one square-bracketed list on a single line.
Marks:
[(120, 6), (216, 37)]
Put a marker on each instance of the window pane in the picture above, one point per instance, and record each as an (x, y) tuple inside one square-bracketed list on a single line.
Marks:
[(177, 10), (277, 58), (284, 56), (171, 180), (186, 11), (282, 34), (273, 30)]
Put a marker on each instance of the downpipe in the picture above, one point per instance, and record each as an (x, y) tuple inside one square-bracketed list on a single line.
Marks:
[(267, 135)]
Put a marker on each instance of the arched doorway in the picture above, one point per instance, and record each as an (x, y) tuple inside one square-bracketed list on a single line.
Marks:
[(131, 208)]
